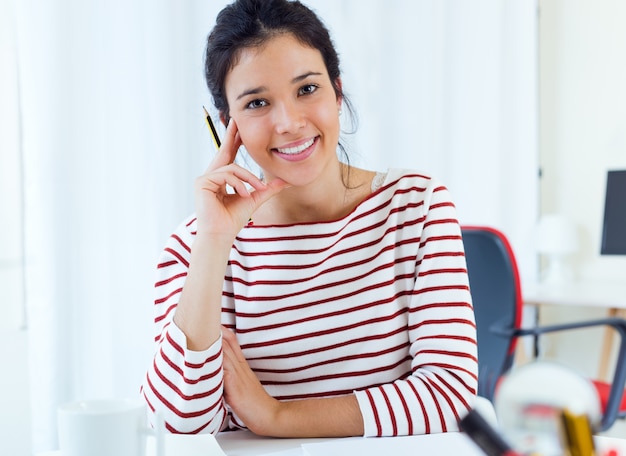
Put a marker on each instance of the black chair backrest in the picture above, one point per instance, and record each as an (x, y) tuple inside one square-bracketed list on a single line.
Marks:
[(496, 295)]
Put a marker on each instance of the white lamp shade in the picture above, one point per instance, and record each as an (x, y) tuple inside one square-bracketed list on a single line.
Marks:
[(556, 235)]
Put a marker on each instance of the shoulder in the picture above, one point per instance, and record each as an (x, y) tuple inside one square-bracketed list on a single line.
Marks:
[(415, 192), (401, 177), (183, 236), (413, 183)]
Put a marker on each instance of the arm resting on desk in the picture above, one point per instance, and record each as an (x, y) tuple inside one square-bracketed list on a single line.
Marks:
[(264, 415)]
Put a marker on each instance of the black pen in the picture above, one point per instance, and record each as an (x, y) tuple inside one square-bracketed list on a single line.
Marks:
[(209, 122)]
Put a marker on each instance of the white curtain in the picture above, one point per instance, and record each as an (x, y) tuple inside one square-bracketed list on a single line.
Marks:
[(450, 87), (111, 97)]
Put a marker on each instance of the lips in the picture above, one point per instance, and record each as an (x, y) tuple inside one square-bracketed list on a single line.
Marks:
[(296, 149), (299, 151)]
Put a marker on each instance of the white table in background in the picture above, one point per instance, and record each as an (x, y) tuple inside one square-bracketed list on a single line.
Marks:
[(610, 295)]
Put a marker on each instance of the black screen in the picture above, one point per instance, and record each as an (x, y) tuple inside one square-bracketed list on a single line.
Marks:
[(614, 228)]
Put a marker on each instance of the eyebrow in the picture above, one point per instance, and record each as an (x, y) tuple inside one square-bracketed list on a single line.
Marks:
[(295, 80)]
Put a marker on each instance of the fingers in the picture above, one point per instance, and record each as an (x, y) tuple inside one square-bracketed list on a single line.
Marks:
[(232, 175), (223, 175), (230, 345), (268, 190), (230, 146)]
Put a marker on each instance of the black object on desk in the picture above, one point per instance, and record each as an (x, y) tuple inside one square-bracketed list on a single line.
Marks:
[(484, 435)]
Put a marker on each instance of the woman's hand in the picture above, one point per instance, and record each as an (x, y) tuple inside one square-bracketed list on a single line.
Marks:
[(319, 417), (222, 213), (243, 391)]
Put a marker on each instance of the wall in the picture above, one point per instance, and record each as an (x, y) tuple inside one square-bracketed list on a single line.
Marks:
[(583, 118), (582, 135)]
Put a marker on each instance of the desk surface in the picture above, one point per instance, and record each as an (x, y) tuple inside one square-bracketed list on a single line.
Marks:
[(578, 293), (244, 443)]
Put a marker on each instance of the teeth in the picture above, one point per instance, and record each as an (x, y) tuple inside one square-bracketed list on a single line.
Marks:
[(296, 150)]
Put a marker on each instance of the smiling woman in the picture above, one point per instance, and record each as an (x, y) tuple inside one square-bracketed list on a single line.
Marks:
[(114, 139), (345, 308), (291, 113)]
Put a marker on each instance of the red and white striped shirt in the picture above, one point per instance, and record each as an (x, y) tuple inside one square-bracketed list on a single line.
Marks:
[(376, 304)]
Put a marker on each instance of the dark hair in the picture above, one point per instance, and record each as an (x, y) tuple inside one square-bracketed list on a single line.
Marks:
[(251, 23)]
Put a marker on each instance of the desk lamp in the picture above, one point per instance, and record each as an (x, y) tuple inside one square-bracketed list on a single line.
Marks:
[(557, 239)]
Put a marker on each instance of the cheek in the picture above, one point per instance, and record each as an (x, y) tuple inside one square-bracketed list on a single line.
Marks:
[(248, 131), (329, 118), (253, 136)]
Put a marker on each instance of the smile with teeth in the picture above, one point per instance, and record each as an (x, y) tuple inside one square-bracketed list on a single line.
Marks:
[(297, 149)]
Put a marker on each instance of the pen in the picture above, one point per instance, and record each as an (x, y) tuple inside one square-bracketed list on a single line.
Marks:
[(209, 122)]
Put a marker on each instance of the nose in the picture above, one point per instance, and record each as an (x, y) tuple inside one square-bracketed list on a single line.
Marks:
[(288, 117)]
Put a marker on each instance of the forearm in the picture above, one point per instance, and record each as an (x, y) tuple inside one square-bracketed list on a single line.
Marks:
[(323, 417), (184, 386), (198, 313)]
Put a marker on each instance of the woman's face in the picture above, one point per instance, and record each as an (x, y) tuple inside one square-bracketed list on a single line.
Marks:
[(286, 109)]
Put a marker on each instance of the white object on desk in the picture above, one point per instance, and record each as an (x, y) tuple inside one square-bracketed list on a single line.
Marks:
[(177, 445), (530, 400), (104, 427), (245, 443), (188, 445), (447, 444)]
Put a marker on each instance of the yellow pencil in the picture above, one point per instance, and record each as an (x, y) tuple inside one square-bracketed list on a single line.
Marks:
[(209, 122), (577, 434)]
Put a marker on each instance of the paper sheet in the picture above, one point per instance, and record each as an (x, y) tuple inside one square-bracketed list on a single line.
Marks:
[(449, 444), (187, 445)]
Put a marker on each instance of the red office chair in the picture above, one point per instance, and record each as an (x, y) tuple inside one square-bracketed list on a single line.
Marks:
[(497, 296)]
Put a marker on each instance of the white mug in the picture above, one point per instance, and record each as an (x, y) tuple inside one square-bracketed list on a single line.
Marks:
[(106, 427)]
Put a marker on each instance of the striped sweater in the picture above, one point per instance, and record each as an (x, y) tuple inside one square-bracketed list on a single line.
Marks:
[(375, 304)]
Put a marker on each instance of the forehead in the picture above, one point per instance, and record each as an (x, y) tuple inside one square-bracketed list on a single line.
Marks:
[(282, 57)]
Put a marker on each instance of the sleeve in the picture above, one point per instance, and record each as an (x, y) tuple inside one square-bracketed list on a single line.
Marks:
[(184, 387), (442, 332)]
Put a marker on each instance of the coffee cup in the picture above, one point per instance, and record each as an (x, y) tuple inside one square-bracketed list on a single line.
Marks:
[(106, 427)]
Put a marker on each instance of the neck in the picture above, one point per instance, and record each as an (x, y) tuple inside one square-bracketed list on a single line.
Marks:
[(326, 199)]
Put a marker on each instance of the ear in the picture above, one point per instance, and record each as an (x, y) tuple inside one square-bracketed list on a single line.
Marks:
[(339, 90), (224, 119)]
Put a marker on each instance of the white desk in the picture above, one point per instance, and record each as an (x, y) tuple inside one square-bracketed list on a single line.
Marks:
[(582, 293), (609, 295), (244, 443)]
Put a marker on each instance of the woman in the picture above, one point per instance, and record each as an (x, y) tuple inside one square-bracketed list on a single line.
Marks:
[(323, 300)]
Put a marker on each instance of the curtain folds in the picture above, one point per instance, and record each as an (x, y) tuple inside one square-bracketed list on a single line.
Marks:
[(112, 95)]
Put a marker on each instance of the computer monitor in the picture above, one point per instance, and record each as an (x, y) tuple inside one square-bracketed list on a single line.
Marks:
[(614, 226)]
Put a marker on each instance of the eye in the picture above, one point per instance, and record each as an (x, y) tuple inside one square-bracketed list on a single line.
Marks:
[(256, 104), (308, 89)]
